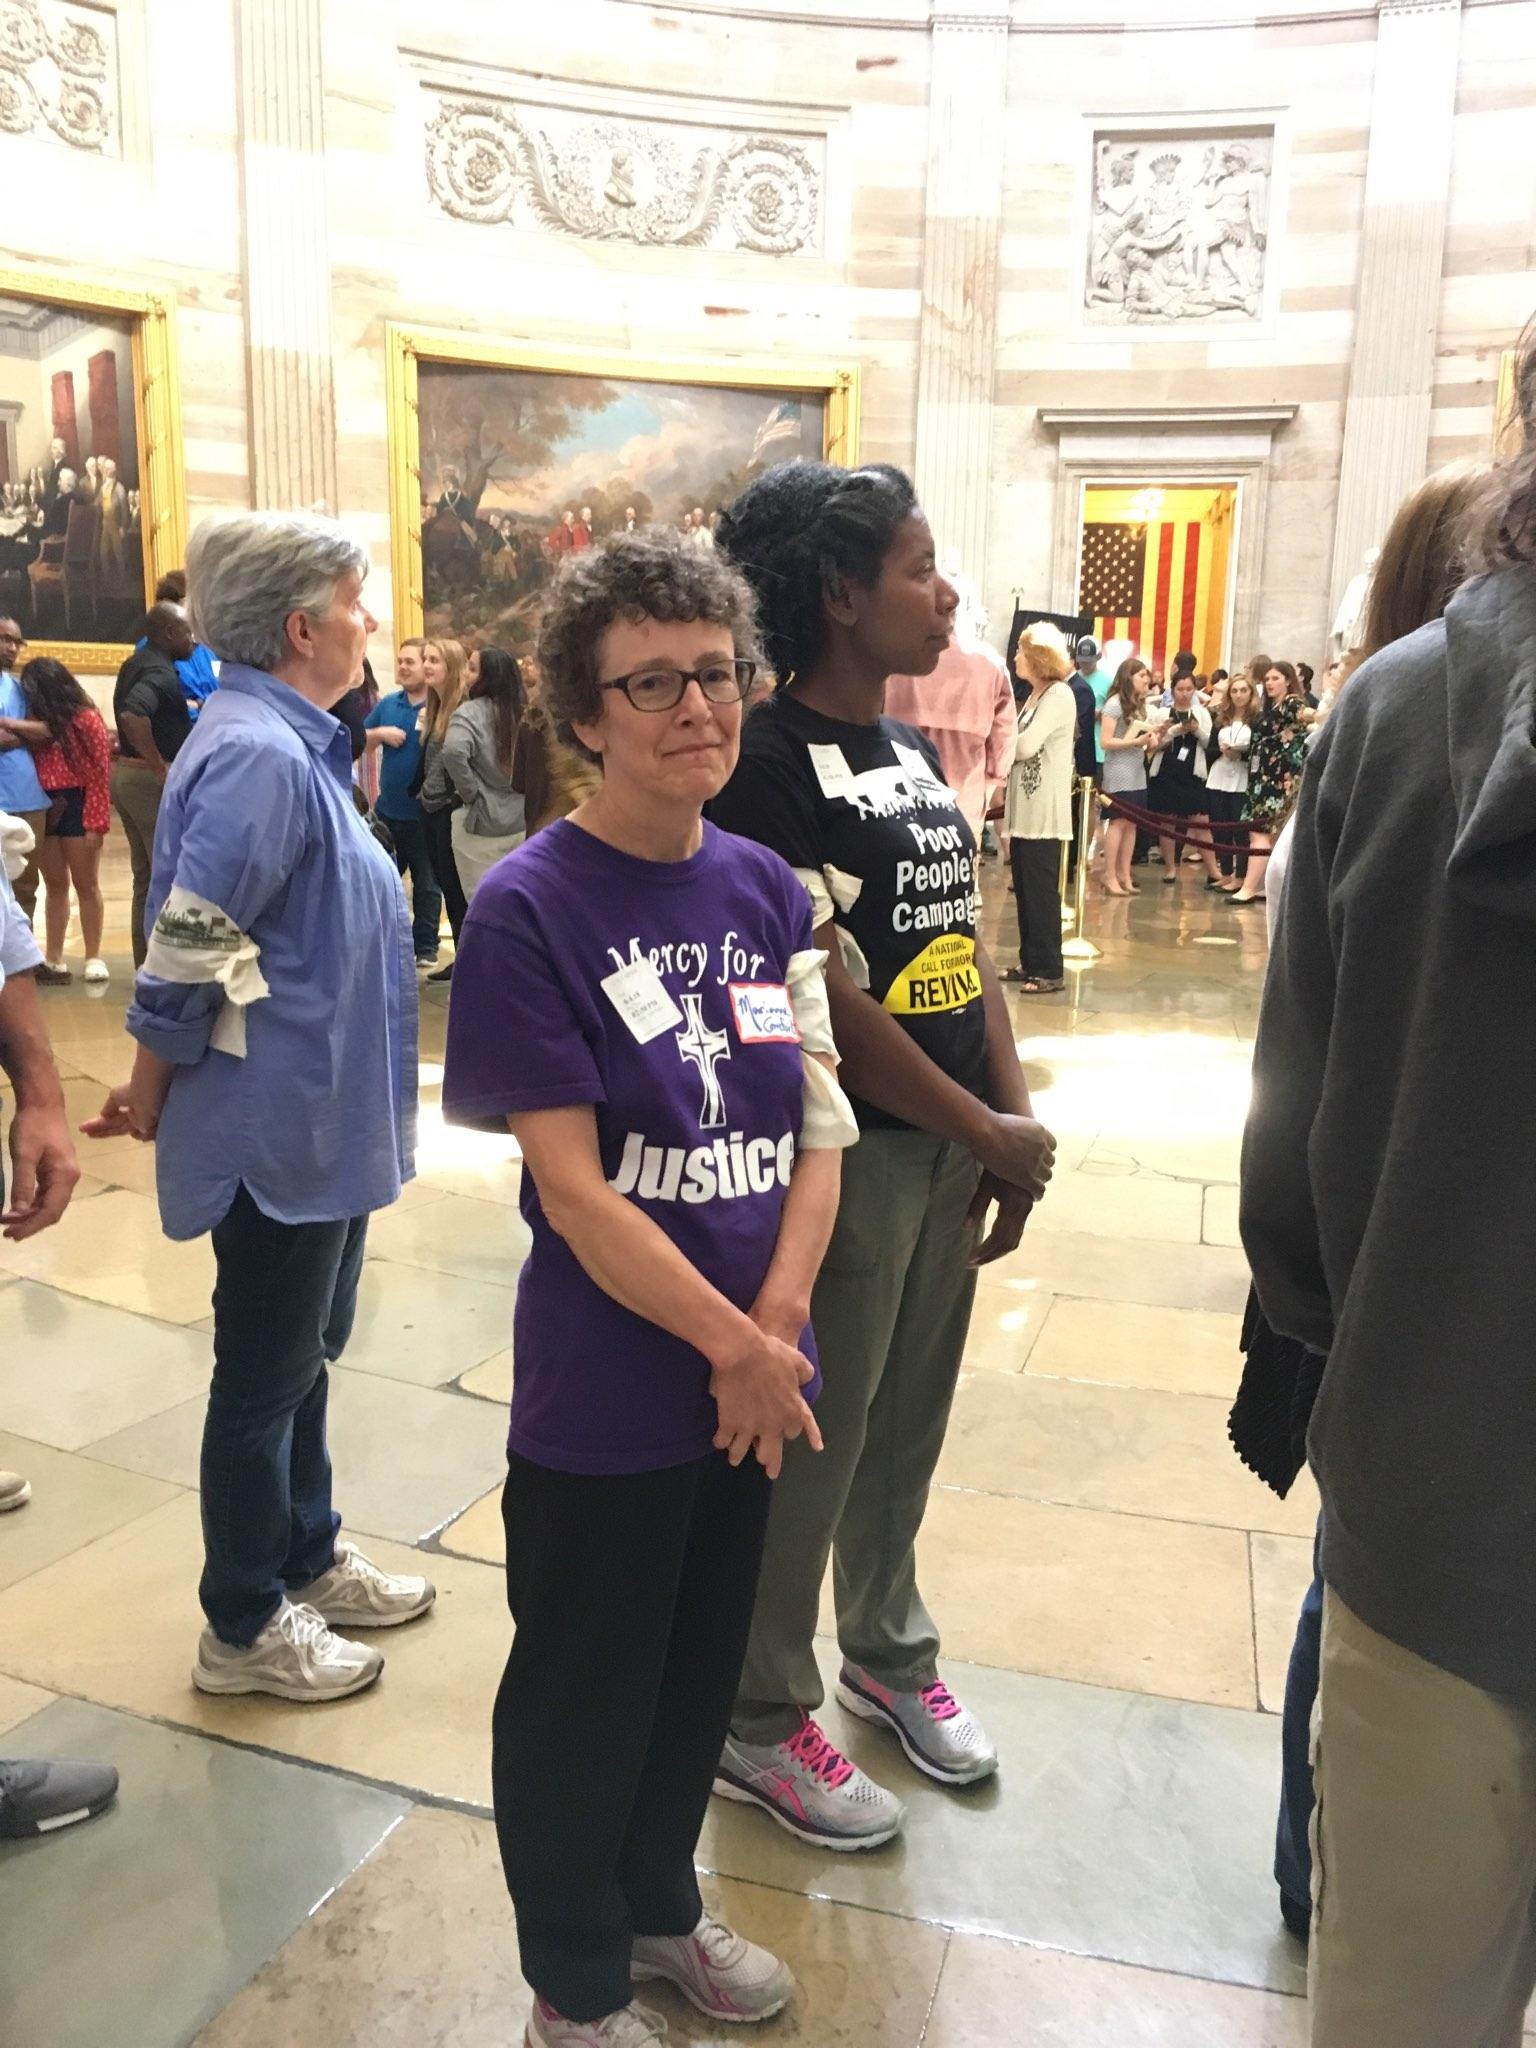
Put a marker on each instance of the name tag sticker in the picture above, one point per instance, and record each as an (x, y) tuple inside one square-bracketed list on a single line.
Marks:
[(640, 996), (764, 1014), (832, 770)]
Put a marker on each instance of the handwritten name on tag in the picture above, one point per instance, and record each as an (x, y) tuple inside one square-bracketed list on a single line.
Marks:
[(764, 1014)]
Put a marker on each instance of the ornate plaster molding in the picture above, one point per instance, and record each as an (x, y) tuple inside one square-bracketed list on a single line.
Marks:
[(612, 177), (59, 73)]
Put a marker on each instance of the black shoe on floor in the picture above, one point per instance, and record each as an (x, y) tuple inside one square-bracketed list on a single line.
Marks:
[(1297, 1917), (37, 1797), (442, 973)]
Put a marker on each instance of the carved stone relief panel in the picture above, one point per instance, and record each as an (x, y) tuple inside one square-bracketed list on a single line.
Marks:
[(59, 73), (620, 178), (1179, 232)]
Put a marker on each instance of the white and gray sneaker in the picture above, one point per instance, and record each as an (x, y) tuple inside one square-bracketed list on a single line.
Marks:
[(635, 2027), (809, 1787), (295, 1657), (937, 1733), (15, 1491), (717, 1970), (356, 1594)]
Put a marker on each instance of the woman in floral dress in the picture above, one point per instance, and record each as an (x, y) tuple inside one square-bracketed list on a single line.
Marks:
[(1275, 761)]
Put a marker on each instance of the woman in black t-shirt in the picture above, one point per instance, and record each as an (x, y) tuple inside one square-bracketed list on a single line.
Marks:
[(844, 571)]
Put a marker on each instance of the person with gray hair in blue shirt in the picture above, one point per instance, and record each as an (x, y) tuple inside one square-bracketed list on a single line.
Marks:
[(275, 1016)]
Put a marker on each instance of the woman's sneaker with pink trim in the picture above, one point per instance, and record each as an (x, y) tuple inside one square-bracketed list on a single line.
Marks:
[(725, 1976), (636, 2026), (811, 1788), (937, 1733)]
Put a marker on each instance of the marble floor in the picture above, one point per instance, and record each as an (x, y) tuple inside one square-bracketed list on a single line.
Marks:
[(1117, 1595)]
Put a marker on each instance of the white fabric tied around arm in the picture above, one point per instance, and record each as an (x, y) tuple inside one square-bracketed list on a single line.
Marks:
[(827, 1121), (829, 891), (194, 941), (17, 840)]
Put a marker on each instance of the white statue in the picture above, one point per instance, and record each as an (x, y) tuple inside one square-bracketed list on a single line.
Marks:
[(1349, 626)]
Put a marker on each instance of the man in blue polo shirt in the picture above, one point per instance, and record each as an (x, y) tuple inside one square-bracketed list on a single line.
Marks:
[(20, 791), (393, 729)]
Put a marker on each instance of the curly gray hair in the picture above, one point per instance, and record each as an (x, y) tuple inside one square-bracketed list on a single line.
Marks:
[(654, 574), (248, 572)]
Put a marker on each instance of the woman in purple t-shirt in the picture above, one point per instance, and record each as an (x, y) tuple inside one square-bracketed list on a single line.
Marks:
[(639, 998)]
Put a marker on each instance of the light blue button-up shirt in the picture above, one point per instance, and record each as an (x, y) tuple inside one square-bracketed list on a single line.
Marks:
[(20, 789), (319, 1118)]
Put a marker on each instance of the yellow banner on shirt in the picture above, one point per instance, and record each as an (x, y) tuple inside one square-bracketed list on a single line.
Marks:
[(943, 977)]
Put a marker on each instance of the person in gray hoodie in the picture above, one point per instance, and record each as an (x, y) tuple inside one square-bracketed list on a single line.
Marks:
[(1388, 1200)]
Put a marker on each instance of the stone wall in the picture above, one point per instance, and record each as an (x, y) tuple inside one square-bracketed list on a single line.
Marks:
[(271, 163)]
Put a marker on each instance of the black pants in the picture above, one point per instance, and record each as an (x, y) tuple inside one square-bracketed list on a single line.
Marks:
[(439, 829), (1037, 897), (632, 1598), (283, 1304), (411, 858), (1224, 808)]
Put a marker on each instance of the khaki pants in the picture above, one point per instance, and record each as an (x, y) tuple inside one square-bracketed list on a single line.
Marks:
[(25, 884), (136, 792), (1424, 1851), (890, 1311), (475, 855)]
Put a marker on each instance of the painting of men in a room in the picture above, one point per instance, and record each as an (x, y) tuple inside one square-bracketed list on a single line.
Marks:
[(71, 538), (523, 469)]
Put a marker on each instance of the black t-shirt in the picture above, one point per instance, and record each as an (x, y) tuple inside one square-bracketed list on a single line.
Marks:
[(149, 687), (866, 810)]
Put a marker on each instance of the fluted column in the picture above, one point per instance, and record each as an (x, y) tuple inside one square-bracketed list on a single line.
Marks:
[(1397, 304), (287, 261), (958, 338)]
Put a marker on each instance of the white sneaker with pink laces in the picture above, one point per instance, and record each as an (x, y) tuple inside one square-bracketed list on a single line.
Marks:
[(636, 2026), (937, 1733), (808, 1786), (725, 1976)]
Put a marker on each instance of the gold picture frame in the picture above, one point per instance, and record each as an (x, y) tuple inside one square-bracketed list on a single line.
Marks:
[(157, 420), (409, 348)]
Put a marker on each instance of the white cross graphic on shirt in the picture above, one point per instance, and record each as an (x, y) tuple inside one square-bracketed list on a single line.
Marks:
[(705, 1048)]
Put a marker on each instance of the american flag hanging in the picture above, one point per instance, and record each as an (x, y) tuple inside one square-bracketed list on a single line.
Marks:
[(1114, 570)]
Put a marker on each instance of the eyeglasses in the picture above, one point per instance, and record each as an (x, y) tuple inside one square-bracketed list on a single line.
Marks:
[(661, 689)]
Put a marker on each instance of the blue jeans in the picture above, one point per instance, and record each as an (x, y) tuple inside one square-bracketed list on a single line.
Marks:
[(413, 857), (283, 1304), (1293, 1850)]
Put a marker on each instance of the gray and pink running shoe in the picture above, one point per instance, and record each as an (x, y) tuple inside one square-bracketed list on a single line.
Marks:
[(716, 1969), (809, 1787), (937, 1733)]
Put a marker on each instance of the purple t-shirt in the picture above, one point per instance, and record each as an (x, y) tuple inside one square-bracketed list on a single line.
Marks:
[(697, 1100)]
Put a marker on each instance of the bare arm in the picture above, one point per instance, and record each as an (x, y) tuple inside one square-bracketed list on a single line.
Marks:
[(383, 736), (140, 735), (44, 1167), (755, 1376), (31, 732), (133, 1109)]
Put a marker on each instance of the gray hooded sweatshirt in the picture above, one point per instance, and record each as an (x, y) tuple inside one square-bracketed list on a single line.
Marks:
[(1389, 1167)]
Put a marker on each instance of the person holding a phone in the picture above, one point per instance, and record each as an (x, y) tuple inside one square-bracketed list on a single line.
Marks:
[(1176, 771)]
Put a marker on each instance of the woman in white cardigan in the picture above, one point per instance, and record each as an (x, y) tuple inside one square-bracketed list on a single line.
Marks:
[(1037, 811)]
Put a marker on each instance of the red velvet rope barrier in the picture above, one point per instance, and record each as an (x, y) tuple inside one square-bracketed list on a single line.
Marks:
[(1233, 839)]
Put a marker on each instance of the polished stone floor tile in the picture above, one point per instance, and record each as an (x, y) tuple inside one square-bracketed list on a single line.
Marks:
[(995, 1994), (112, 1250), (1219, 1225), (75, 1370), (467, 1238), (460, 1162), (1173, 1350), (405, 1459), (424, 1327), (492, 1380), (1282, 1572), (419, 1947), (19, 1702), (74, 1501), (1113, 1600), (1211, 1157), (1004, 1325), (1120, 1825), (479, 1531), (1119, 1448), (210, 1860), (1128, 1269), (424, 1726), (1143, 1207)]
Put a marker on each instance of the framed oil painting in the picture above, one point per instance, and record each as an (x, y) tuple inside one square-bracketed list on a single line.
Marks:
[(92, 504), (504, 462)]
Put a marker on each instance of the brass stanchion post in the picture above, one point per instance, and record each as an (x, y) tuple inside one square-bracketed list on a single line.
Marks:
[(1061, 885), (1080, 951)]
